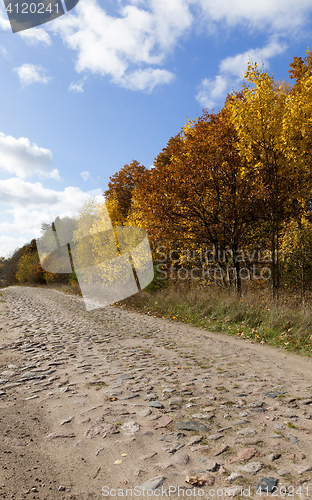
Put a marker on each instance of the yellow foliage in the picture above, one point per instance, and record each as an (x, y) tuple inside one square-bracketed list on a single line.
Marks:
[(29, 269)]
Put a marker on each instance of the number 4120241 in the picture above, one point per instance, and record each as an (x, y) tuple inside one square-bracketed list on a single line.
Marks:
[(31, 8), (283, 491)]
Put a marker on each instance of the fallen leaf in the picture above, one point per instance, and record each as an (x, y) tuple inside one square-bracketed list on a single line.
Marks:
[(194, 480), (206, 480)]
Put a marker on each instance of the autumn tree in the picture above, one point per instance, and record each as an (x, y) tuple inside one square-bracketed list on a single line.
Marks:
[(258, 121), (29, 268), (300, 69), (297, 132), (198, 192), (297, 146), (118, 196), (143, 211)]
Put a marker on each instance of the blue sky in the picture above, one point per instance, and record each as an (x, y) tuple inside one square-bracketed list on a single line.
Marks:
[(110, 82)]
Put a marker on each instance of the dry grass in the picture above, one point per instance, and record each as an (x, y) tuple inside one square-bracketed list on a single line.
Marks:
[(253, 315)]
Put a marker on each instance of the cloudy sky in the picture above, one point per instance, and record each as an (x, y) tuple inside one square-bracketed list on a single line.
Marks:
[(110, 82)]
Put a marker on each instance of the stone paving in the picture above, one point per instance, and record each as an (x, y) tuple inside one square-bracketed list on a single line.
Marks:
[(145, 403)]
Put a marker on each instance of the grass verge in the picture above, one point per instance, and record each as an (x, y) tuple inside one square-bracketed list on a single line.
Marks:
[(253, 316)]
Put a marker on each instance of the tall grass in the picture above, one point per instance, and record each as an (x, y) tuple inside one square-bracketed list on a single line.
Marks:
[(252, 316)]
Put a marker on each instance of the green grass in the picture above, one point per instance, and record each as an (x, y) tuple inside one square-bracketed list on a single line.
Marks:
[(253, 317), (291, 425)]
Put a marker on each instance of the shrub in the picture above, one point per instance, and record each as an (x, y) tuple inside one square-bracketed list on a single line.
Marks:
[(29, 269)]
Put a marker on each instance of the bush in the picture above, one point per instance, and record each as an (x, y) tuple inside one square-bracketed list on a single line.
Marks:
[(29, 269), (10, 266), (157, 283)]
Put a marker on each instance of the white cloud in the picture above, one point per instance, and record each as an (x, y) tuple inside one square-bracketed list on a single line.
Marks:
[(77, 86), (4, 22), (36, 35), (130, 46), (237, 65), (85, 175), (24, 206), (259, 15), (113, 46), (211, 91), (19, 193), (232, 69), (146, 79), (10, 243), (24, 159), (31, 73), (3, 51)]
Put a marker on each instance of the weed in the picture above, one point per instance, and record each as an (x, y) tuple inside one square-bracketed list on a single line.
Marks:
[(291, 425)]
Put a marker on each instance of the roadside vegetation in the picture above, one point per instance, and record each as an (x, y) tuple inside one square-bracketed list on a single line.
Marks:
[(253, 316)]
